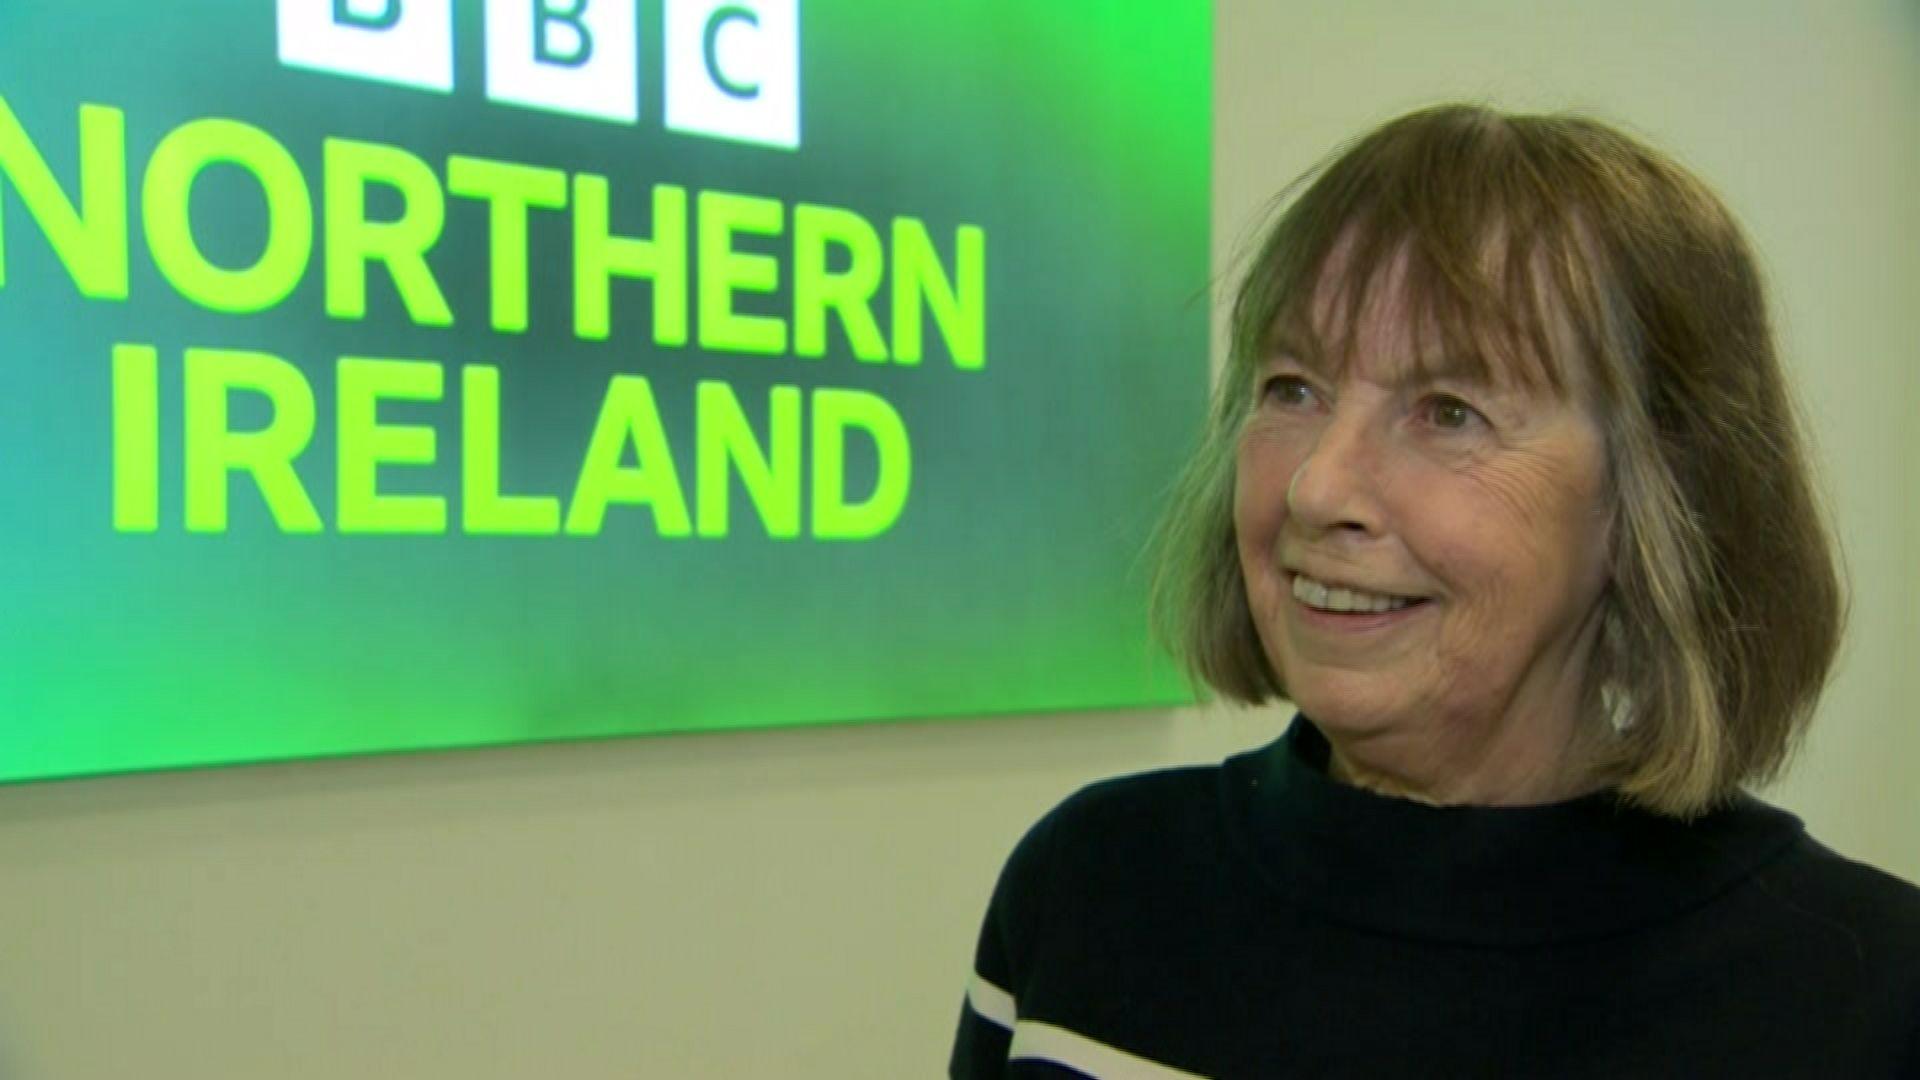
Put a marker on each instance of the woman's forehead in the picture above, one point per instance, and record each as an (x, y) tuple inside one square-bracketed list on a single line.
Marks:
[(1386, 344), (1403, 322)]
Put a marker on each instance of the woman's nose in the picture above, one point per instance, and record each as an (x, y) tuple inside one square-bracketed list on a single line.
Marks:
[(1337, 484)]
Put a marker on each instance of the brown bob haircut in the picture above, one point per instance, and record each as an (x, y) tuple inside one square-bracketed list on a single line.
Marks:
[(1525, 237)]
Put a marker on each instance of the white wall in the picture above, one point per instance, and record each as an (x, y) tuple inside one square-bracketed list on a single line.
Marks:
[(803, 903)]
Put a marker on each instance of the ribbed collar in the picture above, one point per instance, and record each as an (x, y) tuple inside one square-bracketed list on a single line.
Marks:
[(1508, 876)]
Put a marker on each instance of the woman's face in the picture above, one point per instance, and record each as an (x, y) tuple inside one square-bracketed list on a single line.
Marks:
[(1481, 503)]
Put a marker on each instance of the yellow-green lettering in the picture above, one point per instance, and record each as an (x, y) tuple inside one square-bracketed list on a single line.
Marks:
[(835, 412), (848, 293), (959, 303), (628, 417), (724, 271), (510, 191), (365, 444), (91, 242), (483, 509), (165, 196), (401, 244), (213, 451), (599, 256), (771, 476), (136, 438)]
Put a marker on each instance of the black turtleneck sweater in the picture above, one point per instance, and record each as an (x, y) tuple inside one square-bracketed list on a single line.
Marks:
[(1258, 919)]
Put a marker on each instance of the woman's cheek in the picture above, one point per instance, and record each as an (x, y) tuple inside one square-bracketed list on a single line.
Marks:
[(1263, 473)]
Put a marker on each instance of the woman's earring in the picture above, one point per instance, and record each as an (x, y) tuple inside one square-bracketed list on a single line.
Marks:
[(1618, 706)]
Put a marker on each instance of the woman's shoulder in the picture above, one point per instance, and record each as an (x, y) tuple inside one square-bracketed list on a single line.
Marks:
[(1123, 833), (1139, 803), (1139, 809), (1874, 907)]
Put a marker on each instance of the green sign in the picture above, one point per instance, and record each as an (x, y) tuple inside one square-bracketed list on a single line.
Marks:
[(392, 374)]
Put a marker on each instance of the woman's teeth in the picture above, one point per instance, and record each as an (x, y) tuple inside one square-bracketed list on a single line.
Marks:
[(1314, 594)]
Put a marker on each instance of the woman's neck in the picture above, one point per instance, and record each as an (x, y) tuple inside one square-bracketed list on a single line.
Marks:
[(1481, 776)]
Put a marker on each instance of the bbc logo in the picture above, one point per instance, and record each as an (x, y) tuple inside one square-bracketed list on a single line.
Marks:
[(732, 66)]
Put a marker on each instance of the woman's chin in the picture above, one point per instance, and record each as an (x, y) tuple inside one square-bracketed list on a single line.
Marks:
[(1338, 715)]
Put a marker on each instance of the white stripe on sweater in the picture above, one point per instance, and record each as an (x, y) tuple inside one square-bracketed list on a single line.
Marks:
[(990, 1002), (1044, 1042)]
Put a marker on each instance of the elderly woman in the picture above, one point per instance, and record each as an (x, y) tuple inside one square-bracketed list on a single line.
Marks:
[(1503, 488)]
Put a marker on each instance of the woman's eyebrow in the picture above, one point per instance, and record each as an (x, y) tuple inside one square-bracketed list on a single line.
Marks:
[(1300, 350), (1431, 369), (1454, 369)]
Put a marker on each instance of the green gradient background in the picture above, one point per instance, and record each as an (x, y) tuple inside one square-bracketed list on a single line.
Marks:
[(1074, 134)]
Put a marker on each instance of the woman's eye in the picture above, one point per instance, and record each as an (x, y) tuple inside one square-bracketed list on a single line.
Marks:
[(1286, 390), (1452, 414)]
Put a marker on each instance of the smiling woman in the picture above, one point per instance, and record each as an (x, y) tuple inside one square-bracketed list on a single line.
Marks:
[(1492, 518), (1504, 488), (1532, 339)]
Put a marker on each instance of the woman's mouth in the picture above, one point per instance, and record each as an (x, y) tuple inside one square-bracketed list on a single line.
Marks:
[(1347, 607)]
